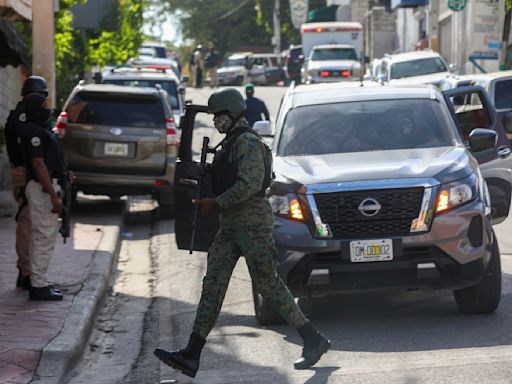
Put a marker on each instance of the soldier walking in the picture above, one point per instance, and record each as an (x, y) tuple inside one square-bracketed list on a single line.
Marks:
[(17, 116), (241, 173)]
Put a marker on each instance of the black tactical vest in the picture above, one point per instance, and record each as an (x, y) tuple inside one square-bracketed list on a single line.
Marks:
[(224, 174)]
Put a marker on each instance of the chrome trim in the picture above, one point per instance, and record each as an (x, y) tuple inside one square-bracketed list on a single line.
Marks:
[(424, 219)]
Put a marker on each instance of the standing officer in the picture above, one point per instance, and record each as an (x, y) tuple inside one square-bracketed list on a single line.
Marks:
[(255, 107), (44, 158), (17, 116), (241, 173)]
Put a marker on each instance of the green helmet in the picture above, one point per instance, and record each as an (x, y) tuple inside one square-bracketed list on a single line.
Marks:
[(227, 99), (249, 87)]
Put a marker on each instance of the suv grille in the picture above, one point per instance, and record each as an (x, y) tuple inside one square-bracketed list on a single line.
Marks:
[(399, 207)]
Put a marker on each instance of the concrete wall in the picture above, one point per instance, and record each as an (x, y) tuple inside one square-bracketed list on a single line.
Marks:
[(381, 32), (11, 79), (407, 27)]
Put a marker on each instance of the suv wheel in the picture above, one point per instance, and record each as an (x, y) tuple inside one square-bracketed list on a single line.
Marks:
[(483, 297), (265, 314)]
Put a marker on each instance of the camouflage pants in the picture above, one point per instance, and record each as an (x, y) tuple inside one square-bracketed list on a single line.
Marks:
[(259, 250)]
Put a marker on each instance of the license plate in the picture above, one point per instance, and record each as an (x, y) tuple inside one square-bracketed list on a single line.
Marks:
[(116, 149), (371, 250)]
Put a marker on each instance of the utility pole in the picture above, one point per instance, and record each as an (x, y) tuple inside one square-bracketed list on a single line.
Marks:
[(434, 25), (504, 39), (276, 39), (43, 62)]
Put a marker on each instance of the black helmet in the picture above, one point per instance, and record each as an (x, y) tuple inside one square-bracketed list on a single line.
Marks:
[(35, 84)]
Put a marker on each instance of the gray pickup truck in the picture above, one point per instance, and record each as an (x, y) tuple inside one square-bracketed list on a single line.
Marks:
[(379, 187)]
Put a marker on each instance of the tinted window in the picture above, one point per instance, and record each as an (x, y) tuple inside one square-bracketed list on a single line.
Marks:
[(417, 67), (365, 126), (503, 94), (122, 111), (234, 62), (168, 86), (334, 54)]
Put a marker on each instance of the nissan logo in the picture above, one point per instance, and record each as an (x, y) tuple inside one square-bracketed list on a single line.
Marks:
[(369, 207), (116, 131)]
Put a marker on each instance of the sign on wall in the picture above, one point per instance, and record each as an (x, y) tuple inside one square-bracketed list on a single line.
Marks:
[(484, 37), (457, 5), (299, 12)]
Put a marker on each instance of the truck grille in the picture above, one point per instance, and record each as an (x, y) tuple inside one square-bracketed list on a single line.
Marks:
[(340, 210)]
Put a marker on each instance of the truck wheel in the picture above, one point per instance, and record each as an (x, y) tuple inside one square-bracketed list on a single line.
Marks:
[(485, 296), (265, 314)]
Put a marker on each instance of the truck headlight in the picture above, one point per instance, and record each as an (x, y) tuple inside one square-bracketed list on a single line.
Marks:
[(457, 193), (287, 206)]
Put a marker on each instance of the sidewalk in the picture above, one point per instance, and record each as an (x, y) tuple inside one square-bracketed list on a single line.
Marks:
[(40, 341)]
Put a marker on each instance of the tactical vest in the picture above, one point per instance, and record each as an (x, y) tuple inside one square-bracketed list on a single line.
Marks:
[(224, 174)]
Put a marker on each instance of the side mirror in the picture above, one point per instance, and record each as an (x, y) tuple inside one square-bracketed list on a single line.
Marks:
[(263, 128), (188, 102), (184, 78), (481, 139), (454, 68)]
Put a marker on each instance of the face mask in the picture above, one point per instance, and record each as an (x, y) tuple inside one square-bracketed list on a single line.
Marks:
[(222, 123)]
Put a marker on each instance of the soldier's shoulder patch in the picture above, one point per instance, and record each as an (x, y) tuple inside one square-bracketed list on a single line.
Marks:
[(22, 117), (35, 141)]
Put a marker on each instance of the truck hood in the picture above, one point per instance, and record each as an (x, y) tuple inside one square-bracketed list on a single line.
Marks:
[(433, 78), (331, 64), (442, 163), (231, 69)]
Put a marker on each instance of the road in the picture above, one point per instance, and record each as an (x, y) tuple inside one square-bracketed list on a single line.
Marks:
[(385, 337)]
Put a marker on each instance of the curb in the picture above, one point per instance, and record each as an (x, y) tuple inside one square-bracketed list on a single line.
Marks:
[(65, 350)]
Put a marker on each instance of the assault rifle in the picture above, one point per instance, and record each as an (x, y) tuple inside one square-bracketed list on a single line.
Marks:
[(205, 149), (65, 185)]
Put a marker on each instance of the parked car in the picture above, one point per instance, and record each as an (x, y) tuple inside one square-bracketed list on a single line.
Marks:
[(234, 69), (150, 77), (158, 49), (121, 141), (499, 87), (156, 63), (265, 69), (418, 67), (293, 60), (382, 191)]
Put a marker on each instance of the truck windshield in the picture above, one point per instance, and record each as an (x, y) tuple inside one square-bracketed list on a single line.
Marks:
[(417, 67), (235, 62), (363, 126), (322, 54)]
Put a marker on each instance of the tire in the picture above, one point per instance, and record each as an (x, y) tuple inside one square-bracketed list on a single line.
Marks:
[(485, 296), (265, 314)]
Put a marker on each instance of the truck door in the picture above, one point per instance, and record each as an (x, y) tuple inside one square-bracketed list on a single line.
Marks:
[(186, 183), (471, 108)]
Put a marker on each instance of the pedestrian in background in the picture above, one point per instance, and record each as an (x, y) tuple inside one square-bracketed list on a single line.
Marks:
[(241, 173), (44, 160), (212, 64), (17, 116), (198, 66), (422, 43), (256, 108)]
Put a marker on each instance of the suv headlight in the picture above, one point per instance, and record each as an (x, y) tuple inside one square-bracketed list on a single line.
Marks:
[(456, 193), (287, 206)]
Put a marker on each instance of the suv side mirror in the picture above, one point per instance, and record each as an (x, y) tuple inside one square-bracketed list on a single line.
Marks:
[(262, 128), (184, 78), (454, 68), (481, 139)]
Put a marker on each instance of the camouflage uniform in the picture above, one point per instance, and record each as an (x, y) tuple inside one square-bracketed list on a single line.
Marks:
[(246, 223)]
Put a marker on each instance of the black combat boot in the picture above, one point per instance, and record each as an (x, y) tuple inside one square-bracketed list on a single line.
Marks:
[(186, 360), (47, 293), (23, 281), (315, 345)]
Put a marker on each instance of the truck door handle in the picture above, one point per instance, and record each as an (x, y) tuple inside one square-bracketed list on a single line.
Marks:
[(503, 152), (193, 182)]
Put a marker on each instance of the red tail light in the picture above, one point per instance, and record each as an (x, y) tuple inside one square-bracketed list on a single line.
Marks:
[(345, 73), (172, 133), (61, 124), (324, 73), (161, 183)]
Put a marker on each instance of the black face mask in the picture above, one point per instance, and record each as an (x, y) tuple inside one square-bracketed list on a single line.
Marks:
[(36, 112)]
